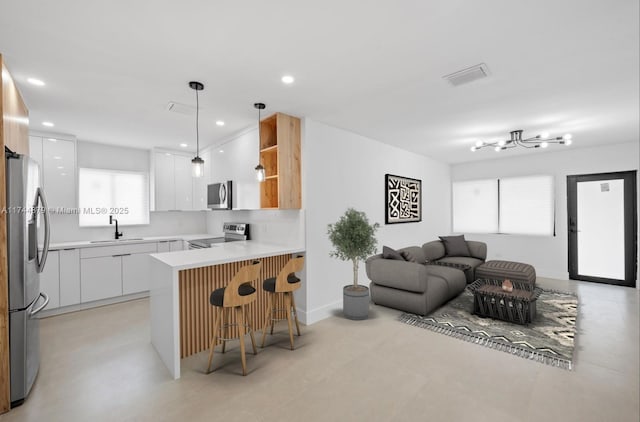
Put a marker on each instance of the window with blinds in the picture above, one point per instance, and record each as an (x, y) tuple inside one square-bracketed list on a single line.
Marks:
[(516, 205), (123, 194)]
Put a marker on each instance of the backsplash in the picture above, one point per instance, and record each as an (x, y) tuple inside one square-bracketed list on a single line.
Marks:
[(64, 227), (283, 227)]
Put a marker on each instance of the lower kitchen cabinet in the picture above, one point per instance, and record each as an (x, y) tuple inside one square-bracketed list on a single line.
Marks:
[(136, 273), (101, 278), (69, 277), (170, 245), (50, 280)]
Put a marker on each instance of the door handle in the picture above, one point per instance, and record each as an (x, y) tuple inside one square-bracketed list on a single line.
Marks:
[(41, 307), (45, 250)]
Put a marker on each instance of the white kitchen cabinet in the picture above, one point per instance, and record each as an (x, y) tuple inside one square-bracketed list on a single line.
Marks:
[(165, 190), (57, 160), (183, 182), (50, 280), (100, 278), (136, 273), (170, 245), (69, 277)]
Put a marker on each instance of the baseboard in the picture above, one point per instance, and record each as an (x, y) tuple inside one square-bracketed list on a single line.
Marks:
[(318, 314), (90, 305)]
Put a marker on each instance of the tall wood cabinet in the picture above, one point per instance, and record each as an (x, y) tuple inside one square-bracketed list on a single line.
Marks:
[(280, 156)]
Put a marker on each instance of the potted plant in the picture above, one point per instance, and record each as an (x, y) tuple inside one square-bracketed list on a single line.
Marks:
[(354, 240)]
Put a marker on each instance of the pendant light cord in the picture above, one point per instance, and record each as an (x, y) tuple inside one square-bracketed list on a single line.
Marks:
[(197, 130)]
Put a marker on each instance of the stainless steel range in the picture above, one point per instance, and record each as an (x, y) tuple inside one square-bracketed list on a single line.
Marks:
[(232, 233)]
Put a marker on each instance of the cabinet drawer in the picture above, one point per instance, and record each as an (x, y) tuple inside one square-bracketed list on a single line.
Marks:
[(118, 250), (101, 278)]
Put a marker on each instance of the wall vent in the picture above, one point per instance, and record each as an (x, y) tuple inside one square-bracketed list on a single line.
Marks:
[(175, 107), (468, 75)]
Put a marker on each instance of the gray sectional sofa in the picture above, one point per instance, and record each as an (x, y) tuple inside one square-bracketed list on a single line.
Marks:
[(419, 285)]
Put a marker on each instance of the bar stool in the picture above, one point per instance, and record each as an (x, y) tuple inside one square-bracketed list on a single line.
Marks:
[(238, 293), (283, 286)]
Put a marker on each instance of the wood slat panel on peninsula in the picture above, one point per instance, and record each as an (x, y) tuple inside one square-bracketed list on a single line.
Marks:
[(196, 314)]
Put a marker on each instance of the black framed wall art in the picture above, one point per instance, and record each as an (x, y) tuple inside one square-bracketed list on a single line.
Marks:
[(403, 199)]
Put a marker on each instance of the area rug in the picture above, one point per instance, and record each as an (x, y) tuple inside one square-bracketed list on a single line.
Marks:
[(549, 339)]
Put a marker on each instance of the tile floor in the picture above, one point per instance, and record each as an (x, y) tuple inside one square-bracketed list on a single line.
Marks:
[(99, 365)]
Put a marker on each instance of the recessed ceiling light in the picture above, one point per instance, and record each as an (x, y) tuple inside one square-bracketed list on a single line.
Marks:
[(219, 123), (52, 139), (60, 168), (36, 82), (47, 124), (287, 79), (221, 151), (183, 145), (57, 157)]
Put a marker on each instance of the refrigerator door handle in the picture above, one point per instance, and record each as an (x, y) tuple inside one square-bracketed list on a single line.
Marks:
[(45, 250), (41, 307)]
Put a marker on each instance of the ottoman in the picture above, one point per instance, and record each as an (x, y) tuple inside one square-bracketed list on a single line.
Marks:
[(523, 276)]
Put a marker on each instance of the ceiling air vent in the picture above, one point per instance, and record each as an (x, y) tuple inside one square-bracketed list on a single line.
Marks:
[(187, 110), (470, 74)]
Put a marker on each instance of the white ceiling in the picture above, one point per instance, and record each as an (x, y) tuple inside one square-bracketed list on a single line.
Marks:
[(374, 68)]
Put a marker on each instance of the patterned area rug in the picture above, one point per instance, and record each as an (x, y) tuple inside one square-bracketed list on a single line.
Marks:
[(549, 339)]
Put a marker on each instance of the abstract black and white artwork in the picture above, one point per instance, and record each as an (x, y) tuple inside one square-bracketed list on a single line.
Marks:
[(403, 199)]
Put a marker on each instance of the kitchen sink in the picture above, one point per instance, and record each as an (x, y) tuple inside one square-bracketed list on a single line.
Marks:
[(116, 240)]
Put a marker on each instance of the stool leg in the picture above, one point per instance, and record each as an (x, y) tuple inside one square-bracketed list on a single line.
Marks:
[(267, 317), (295, 313), (216, 327), (287, 306), (240, 320), (223, 330), (253, 339)]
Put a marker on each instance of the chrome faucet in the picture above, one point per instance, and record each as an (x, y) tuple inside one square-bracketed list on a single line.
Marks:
[(111, 220)]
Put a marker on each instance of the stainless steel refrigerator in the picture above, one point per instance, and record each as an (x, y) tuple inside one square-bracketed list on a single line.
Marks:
[(27, 248)]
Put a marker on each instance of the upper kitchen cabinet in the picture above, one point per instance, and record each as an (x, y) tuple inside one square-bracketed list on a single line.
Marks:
[(57, 159), (280, 156), (175, 189)]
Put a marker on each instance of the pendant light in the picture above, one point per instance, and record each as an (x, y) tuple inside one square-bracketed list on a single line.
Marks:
[(197, 164), (260, 173)]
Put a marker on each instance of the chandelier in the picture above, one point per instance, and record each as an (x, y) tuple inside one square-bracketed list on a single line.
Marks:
[(539, 141)]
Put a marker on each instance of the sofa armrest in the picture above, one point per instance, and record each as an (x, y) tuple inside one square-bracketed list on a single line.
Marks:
[(397, 274), (477, 249)]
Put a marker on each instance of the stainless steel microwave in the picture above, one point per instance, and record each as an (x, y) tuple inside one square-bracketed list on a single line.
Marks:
[(219, 195)]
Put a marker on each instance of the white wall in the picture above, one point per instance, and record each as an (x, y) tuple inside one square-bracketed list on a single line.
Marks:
[(549, 255), (341, 170)]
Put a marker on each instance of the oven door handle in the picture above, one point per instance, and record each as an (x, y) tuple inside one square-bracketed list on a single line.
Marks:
[(41, 307)]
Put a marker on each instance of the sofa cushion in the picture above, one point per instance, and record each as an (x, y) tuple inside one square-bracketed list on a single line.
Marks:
[(413, 254), (455, 279), (401, 275), (433, 250), (389, 253), (455, 245)]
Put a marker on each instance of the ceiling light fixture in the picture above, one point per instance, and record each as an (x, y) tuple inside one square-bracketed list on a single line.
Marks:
[(219, 123), (48, 124), (260, 173), (36, 82), (183, 145), (539, 141), (197, 164), (287, 79)]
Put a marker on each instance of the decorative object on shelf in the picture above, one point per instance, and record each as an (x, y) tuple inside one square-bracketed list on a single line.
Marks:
[(354, 240), (197, 164), (539, 141), (403, 199), (507, 285), (260, 173)]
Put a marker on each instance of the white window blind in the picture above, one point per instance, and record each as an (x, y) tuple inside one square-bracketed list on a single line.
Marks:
[(123, 194), (526, 205), (475, 206)]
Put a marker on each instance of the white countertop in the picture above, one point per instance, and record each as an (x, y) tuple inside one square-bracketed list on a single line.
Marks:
[(90, 244), (222, 253)]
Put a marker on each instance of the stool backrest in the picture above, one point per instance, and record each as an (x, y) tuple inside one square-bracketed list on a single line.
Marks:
[(293, 266), (245, 274)]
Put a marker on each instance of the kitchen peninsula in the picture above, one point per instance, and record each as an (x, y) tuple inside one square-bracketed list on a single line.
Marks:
[(181, 316)]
